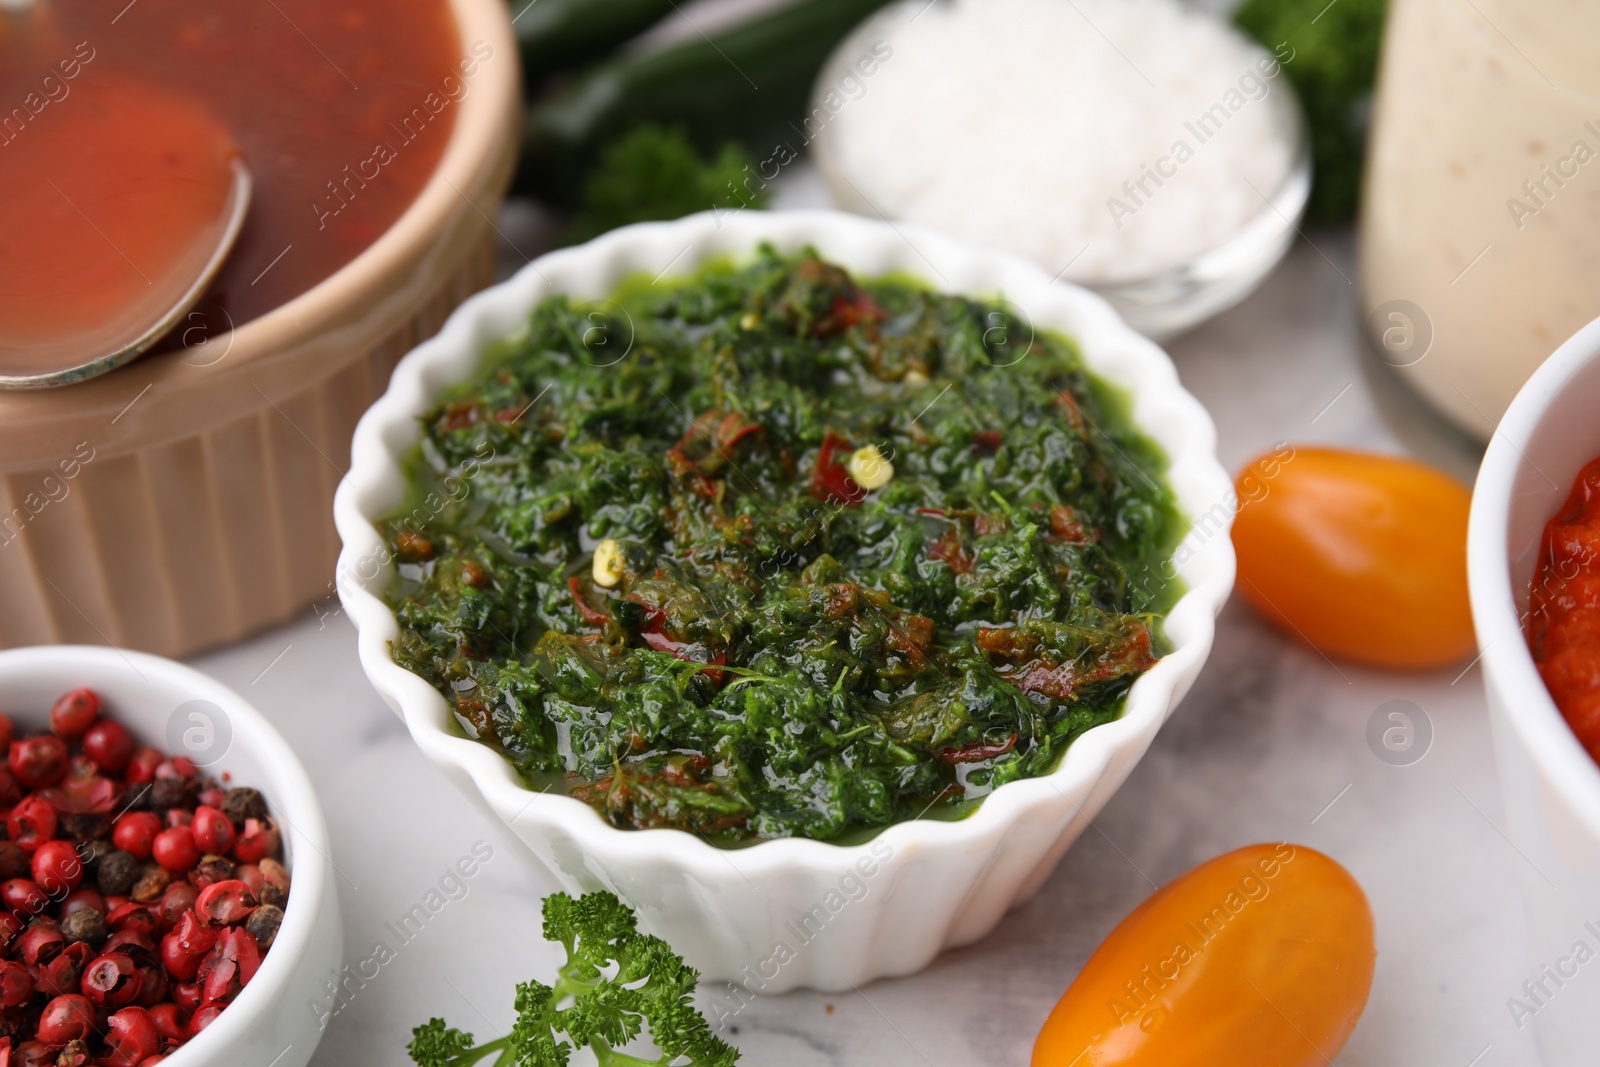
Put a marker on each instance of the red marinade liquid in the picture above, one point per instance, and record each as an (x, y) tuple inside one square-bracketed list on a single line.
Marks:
[(341, 109)]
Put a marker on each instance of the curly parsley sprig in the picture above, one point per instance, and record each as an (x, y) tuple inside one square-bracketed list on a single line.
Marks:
[(616, 983)]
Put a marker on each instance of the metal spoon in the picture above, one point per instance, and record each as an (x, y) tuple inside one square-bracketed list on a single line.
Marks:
[(75, 368)]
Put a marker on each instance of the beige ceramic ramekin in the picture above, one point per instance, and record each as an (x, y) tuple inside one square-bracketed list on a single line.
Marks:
[(184, 501)]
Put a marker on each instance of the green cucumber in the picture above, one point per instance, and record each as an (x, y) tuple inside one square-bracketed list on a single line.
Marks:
[(749, 84), (556, 35)]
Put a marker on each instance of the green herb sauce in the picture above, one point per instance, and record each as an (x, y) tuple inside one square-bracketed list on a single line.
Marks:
[(780, 649)]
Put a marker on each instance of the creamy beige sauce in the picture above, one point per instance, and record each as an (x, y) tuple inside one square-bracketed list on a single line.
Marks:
[(1482, 205)]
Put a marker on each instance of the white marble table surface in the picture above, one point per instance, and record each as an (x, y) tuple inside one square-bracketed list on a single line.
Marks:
[(1269, 746)]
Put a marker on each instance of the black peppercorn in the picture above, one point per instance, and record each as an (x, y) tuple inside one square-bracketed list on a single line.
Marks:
[(137, 798), (85, 924), (175, 792), (14, 862), (151, 883), (92, 852), (71, 826), (244, 803), (210, 870), (263, 924), (118, 871)]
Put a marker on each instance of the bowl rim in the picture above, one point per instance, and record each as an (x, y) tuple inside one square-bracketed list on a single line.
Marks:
[(1502, 643), (1159, 406), (292, 800)]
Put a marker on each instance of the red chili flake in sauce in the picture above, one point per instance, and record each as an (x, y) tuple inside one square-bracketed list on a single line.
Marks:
[(830, 478), (948, 548), (1069, 403), (1065, 525), (977, 752), (591, 616), (987, 442), (653, 633), (1033, 673), (854, 310)]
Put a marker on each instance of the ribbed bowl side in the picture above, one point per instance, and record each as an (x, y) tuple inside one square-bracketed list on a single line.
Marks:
[(831, 927)]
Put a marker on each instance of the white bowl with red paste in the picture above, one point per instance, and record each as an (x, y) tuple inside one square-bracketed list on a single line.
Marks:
[(1550, 783), (796, 913), (274, 1019)]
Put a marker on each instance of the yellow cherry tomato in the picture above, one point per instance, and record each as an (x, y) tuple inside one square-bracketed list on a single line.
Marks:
[(1361, 556), (1261, 956)]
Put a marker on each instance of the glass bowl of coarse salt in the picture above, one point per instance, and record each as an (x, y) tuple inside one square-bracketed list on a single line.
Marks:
[(1140, 148)]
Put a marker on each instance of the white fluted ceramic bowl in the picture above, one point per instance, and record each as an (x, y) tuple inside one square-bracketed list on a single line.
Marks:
[(275, 1020), (796, 913)]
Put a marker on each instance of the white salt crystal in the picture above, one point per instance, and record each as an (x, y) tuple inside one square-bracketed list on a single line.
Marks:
[(1124, 137)]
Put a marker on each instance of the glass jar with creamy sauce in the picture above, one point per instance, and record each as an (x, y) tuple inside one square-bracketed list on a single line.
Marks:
[(1480, 229)]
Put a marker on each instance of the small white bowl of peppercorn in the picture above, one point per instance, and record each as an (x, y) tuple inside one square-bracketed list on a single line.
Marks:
[(148, 913)]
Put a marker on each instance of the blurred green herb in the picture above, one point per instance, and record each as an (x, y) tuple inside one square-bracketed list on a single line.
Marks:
[(557, 35), (1333, 64), (616, 982), (749, 83), (655, 173)]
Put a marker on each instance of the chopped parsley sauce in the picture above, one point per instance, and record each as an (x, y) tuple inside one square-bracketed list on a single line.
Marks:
[(865, 552)]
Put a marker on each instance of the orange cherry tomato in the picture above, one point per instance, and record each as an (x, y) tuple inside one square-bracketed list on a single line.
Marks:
[(1261, 956), (1361, 556)]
